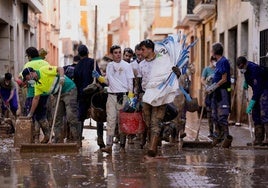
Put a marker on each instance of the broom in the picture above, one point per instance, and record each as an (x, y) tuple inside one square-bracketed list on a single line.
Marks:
[(197, 143), (51, 147)]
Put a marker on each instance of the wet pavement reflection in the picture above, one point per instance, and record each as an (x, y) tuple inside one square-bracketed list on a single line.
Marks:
[(175, 168)]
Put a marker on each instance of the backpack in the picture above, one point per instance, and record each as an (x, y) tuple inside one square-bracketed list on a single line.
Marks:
[(69, 71)]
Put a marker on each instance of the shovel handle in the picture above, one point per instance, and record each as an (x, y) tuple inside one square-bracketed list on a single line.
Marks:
[(199, 123), (55, 114)]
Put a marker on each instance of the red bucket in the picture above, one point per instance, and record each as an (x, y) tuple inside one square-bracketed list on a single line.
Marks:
[(131, 123)]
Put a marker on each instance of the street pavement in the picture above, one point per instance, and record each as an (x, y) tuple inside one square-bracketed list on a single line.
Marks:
[(239, 166)]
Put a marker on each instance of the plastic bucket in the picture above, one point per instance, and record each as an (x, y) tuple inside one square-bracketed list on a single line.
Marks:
[(131, 123)]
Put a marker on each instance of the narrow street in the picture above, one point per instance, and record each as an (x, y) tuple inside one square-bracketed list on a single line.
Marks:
[(198, 167)]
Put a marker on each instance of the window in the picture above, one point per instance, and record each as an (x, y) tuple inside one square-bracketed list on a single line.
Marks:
[(264, 48)]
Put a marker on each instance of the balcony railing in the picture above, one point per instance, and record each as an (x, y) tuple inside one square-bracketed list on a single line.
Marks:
[(204, 10)]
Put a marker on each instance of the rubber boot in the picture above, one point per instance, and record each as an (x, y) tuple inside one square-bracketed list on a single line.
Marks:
[(265, 142), (109, 144), (218, 135), (153, 146), (143, 138), (100, 142), (123, 139), (36, 133), (227, 142), (181, 128), (211, 128), (46, 130), (130, 139), (75, 134), (259, 135), (107, 149)]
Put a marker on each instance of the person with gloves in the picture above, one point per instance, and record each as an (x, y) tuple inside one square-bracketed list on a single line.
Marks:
[(48, 80), (256, 78), (119, 78), (83, 80), (155, 69), (221, 96), (40, 117)]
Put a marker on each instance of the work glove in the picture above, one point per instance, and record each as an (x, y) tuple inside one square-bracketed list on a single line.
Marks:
[(250, 106), (105, 89), (211, 88), (245, 85), (30, 115), (177, 71), (95, 74), (130, 95), (62, 80), (188, 97), (100, 78)]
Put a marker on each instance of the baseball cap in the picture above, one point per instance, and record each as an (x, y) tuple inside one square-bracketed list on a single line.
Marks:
[(26, 72)]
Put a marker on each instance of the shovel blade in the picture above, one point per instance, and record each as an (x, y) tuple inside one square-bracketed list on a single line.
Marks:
[(90, 89), (49, 148)]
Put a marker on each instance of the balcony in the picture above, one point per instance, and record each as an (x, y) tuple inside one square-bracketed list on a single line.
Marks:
[(204, 10), (36, 5), (190, 20)]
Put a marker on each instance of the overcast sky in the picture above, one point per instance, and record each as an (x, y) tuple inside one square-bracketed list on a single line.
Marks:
[(107, 9)]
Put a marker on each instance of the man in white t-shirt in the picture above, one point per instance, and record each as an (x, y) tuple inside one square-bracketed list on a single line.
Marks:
[(154, 69), (119, 78)]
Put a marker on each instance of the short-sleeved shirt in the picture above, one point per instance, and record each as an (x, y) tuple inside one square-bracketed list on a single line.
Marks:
[(11, 86), (207, 73), (222, 67), (145, 68), (119, 76), (36, 64), (48, 82), (135, 67)]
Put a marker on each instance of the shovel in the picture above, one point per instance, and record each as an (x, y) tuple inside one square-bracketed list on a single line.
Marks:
[(197, 143)]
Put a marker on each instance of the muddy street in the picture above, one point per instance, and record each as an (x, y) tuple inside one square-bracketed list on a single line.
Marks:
[(196, 167)]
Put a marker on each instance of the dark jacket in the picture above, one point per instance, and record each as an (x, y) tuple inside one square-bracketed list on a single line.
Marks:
[(256, 79), (83, 74)]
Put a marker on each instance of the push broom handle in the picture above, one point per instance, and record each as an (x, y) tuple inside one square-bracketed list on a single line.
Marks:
[(249, 119), (199, 123), (55, 114)]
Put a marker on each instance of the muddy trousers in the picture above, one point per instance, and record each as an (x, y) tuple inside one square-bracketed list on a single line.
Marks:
[(153, 116), (265, 142), (259, 134), (43, 123), (100, 141)]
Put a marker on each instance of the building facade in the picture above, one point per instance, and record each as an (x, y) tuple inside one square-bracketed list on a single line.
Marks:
[(22, 26)]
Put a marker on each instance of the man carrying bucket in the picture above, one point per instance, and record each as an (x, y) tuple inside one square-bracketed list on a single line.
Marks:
[(119, 78)]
